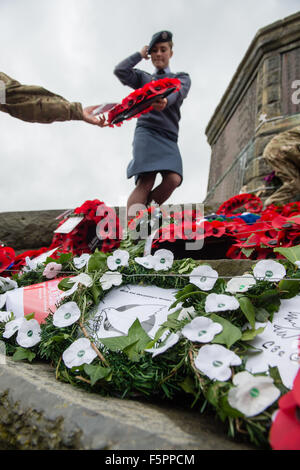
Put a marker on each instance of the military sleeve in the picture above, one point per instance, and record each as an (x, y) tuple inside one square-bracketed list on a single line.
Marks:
[(36, 104), (180, 95), (126, 72)]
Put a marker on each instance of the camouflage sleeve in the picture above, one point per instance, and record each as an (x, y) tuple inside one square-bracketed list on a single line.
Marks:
[(36, 104)]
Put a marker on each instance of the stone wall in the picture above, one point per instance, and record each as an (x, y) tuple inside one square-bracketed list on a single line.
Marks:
[(256, 106)]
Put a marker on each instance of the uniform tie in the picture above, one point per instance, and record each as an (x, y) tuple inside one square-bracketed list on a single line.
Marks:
[(160, 72)]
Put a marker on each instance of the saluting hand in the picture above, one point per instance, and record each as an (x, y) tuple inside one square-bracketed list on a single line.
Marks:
[(144, 53)]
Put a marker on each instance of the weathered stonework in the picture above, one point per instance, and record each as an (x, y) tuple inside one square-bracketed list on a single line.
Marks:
[(28, 229), (39, 413), (256, 106)]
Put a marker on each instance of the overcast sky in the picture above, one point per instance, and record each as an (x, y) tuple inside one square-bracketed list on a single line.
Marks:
[(71, 47)]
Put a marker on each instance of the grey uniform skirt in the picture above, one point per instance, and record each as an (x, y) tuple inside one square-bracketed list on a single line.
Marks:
[(153, 151)]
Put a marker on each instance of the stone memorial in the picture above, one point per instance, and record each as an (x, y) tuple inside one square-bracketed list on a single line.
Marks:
[(262, 99)]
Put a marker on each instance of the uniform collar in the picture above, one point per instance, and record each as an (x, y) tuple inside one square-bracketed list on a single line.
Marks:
[(167, 70)]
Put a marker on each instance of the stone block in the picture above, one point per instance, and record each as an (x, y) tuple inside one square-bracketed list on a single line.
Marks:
[(260, 143), (28, 229), (37, 412), (256, 168), (273, 93), (273, 78)]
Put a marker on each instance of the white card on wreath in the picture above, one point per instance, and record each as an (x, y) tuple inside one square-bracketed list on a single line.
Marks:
[(118, 310), (69, 224), (279, 343)]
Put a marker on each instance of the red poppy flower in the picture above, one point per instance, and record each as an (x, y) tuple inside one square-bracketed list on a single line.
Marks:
[(215, 228), (7, 257), (285, 430), (249, 201)]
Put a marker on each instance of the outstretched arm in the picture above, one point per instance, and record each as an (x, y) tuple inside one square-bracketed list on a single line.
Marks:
[(36, 104)]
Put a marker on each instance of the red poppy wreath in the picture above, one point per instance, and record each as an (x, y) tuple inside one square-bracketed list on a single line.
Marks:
[(140, 101)]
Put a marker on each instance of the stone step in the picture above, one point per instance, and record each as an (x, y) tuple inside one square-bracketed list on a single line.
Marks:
[(37, 412)]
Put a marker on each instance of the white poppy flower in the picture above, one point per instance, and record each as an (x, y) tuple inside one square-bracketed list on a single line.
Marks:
[(2, 300), (186, 313), (204, 277), (110, 279), (240, 283), (145, 261), (269, 270), (81, 261), (172, 339), (252, 394), (5, 316), (7, 284), (29, 333), (119, 258), (220, 303), (201, 329), (66, 314), (163, 260), (83, 279), (214, 361), (12, 327), (80, 352), (30, 265), (297, 263)]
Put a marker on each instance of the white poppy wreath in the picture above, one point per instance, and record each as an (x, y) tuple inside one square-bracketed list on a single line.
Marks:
[(200, 351)]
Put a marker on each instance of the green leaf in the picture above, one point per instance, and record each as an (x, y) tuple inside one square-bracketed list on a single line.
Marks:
[(188, 386), (96, 372), (228, 410), (65, 284), (214, 391), (189, 292), (269, 300), (171, 323), (133, 344), (97, 262), (230, 333), (132, 351), (186, 290), (64, 258), (139, 340), (292, 253), (288, 288), (23, 353), (187, 265), (247, 251), (96, 292), (247, 309), (248, 335), (58, 338), (116, 343), (29, 316), (262, 315)]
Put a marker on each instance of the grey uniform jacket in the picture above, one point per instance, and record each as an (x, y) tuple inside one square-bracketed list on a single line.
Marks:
[(166, 120)]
